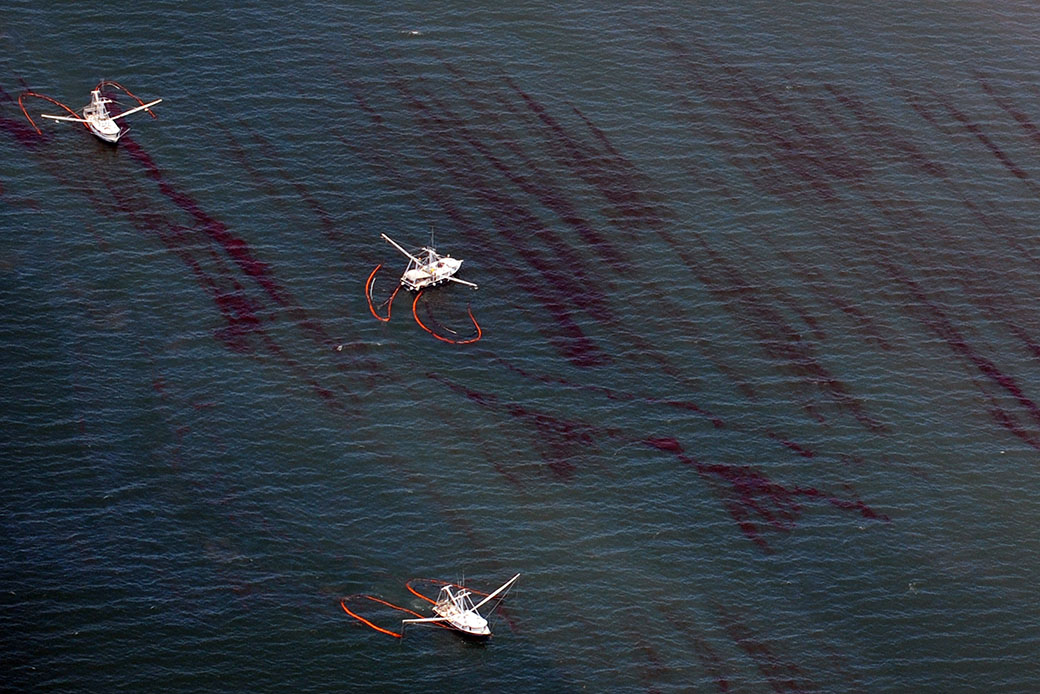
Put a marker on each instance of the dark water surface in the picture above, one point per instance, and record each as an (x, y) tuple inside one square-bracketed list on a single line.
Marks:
[(756, 406)]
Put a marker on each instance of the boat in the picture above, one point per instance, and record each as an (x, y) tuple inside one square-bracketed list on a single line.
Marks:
[(455, 609), (99, 121), (429, 268), (95, 115)]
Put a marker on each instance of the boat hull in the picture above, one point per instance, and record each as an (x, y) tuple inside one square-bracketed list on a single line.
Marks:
[(464, 621), (469, 635), (105, 134)]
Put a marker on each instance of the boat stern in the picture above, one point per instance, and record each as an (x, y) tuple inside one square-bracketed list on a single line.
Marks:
[(108, 131)]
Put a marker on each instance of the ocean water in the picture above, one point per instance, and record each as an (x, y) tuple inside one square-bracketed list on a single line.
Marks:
[(754, 406)]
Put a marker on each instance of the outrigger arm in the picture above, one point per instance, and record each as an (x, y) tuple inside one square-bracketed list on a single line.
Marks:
[(68, 118), (139, 108), (454, 279), (503, 587), (419, 263), (398, 247), (124, 113)]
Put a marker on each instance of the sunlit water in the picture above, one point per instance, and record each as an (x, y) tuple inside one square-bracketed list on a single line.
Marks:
[(754, 407)]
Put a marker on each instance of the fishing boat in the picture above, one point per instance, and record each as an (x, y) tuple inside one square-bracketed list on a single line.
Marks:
[(429, 268), (98, 119), (455, 609)]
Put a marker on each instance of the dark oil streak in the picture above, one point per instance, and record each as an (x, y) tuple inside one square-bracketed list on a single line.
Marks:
[(244, 331), (570, 341), (976, 285), (451, 123), (259, 271), (1021, 118), (560, 267), (797, 143), (781, 341), (621, 396), (976, 130), (545, 192), (718, 669), (775, 336), (935, 319), (755, 503), (240, 312), (883, 134), (234, 246), (984, 365), (507, 214), (533, 178), (944, 328), (1003, 418), (814, 280), (588, 281), (610, 393), (993, 218), (617, 187), (621, 183), (562, 440), (783, 297), (782, 675), (328, 226)]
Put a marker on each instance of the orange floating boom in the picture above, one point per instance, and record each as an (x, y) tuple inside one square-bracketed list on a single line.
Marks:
[(45, 98), (396, 635), (437, 582), (342, 603), (368, 623), (471, 340), (368, 296), (102, 83)]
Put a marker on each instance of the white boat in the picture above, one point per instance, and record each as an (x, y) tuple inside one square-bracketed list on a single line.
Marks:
[(98, 120), (455, 609), (429, 268)]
